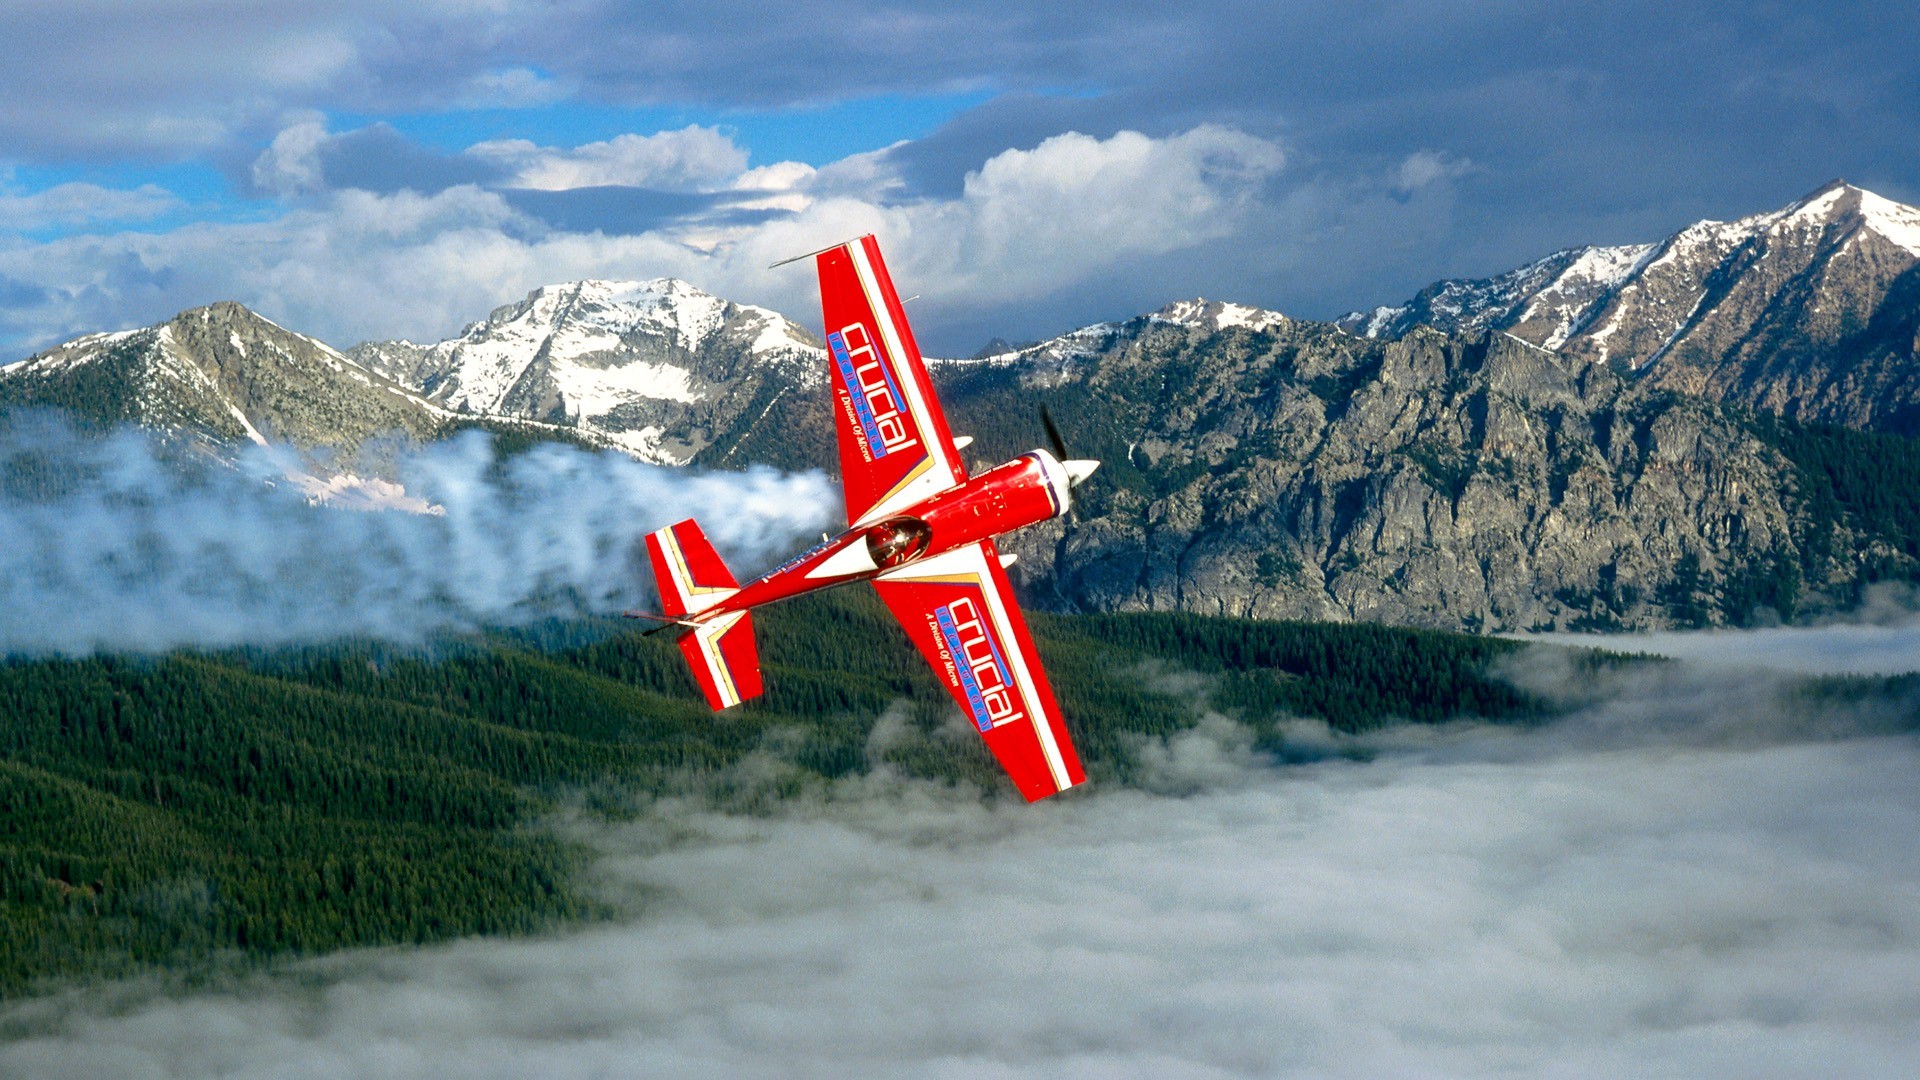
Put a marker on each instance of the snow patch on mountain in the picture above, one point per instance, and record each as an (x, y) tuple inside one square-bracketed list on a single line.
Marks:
[(1218, 315), (628, 361), (347, 491), (600, 344), (1895, 221), (1372, 324)]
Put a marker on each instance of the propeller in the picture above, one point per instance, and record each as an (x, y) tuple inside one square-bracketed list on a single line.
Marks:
[(1078, 469)]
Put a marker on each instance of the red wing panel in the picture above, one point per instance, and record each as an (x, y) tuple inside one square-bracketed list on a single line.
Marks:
[(895, 448), (959, 610)]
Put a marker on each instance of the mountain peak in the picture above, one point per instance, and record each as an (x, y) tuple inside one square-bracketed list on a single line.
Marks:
[(221, 374), (629, 361), (1802, 309), (594, 314), (1838, 203), (1218, 315)]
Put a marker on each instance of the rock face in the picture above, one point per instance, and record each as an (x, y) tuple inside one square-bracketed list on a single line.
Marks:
[(220, 375), (1299, 472), (1253, 464), (1811, 311), (653, 366), (1287, 469)]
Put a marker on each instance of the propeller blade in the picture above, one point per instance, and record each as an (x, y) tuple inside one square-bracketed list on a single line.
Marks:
[(1053, 434), (1077, 469)]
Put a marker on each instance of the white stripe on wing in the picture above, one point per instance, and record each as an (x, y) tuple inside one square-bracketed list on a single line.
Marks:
[(971, 562)]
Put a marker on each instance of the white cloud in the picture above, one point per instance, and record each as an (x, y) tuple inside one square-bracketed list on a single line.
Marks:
[(1881, 636), (1425, 167), (691, 159), (351, 265), (1039, 219), (78, 204), (291, 164), (1471, 902), (147, 559), (513, 87)]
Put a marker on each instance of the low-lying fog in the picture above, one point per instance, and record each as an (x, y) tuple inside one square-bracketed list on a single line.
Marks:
[(1695, 878), (1881, 638)]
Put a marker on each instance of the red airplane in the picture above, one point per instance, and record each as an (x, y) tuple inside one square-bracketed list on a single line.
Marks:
[(919, 528)]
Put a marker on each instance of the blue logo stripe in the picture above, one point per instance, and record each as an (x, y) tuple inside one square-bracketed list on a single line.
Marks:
[(976, 703), (861, 408)]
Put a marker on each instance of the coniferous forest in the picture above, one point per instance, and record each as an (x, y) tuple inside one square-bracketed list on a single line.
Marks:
[(202, 812), (205, 810)]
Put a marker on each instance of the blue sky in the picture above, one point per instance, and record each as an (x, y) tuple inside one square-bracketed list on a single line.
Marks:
[(363, 169)]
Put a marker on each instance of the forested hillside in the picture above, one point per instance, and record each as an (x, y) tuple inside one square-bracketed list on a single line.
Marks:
[(207, 810), (1852, 484)]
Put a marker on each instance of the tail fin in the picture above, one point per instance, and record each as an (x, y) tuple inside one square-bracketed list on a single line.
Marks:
[(724, 658), (687, 570), (691, 578)]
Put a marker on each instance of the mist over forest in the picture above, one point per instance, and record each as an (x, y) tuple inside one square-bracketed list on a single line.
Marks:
[(1699, 871), (1334, 850)]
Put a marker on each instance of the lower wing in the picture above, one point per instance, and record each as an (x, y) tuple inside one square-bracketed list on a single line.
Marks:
[(959, 609)]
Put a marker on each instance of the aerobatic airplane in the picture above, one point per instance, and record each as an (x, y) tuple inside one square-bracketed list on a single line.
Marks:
[(920, 529)]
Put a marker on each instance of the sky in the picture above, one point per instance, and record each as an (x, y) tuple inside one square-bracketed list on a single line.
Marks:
[(366, 170), (1699, 874)]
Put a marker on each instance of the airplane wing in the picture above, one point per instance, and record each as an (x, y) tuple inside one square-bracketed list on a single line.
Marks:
[(895, 448), (958, 607)]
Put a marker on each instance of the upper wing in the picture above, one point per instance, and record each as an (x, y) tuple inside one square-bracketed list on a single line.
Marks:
[(958, 607), (895, 448)]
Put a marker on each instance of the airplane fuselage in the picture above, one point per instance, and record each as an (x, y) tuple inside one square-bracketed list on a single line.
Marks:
[(1024, 491)]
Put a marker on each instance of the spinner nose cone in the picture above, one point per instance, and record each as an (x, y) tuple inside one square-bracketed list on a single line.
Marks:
[(1079, 469)]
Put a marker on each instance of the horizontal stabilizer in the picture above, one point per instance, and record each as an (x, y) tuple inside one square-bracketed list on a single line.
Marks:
[(724, 658)]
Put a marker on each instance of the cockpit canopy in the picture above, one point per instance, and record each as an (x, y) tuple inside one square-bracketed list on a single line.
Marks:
[(898, 540)]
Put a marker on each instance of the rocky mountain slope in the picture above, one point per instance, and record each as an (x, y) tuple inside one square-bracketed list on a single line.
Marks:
[(1255, 464), (219, 377), (1290, 470), (1811, 311), (654, 366)]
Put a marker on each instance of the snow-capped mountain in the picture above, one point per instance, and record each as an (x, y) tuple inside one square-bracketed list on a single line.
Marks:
[(1812, 310), (1256, 464), (1060, 353), (1216, 315), (217, 378), (1558, 288), (220, 375), (650, 365)]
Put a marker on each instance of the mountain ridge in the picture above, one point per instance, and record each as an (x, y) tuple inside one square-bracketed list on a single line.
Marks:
[(630, 361), (220, 377), (1510, 475), (1811, 310)]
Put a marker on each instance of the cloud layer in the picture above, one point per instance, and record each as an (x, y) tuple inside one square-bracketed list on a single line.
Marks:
[(1470, 902), (1422, 141), (105, 545), (1881, 637), (351, 264)]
